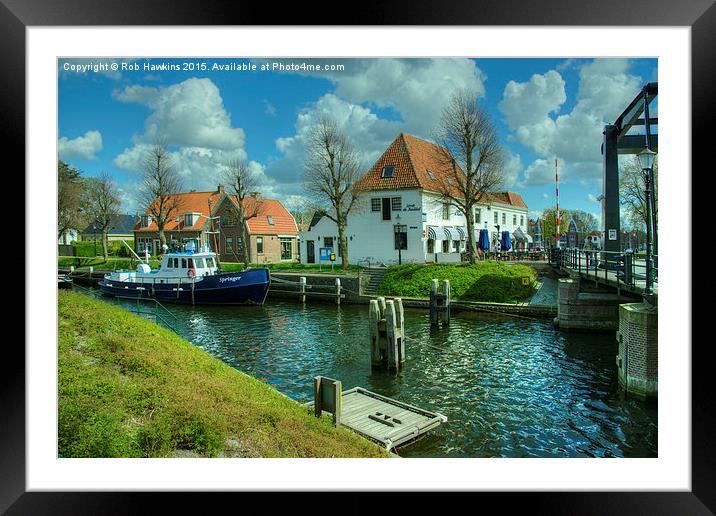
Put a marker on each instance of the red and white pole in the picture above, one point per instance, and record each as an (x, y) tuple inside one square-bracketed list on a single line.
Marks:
[(556, 182)]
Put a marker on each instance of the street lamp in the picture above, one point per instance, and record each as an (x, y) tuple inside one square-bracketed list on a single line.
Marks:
[(646, 162), (399, 238)]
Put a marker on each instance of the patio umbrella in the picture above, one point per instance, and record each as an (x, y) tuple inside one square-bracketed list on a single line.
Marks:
[(505, 244), (483, 240)]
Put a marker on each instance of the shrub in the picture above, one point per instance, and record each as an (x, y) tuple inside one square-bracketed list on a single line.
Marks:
[(490, 281)]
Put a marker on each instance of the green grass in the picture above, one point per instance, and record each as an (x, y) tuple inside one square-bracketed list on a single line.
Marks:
[(129, 388), (312, 268), (490, 281)]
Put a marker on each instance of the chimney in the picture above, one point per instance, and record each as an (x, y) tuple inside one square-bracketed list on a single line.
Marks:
[(220, 189)]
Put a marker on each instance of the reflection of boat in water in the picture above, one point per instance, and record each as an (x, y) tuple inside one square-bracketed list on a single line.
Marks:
[(189, 277)]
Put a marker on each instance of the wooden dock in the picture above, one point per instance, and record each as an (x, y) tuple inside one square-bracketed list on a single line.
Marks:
[(385, 420)]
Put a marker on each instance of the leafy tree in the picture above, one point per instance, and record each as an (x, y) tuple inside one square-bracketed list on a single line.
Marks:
[(549, 225), (632, 195), (70, 201)]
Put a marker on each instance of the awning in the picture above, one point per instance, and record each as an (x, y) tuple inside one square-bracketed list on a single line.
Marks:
[(520, 235), (462, 232), (451, 233), (432, 232)]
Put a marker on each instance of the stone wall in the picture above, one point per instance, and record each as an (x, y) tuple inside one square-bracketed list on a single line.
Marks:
[(590, 311), (638, 355)]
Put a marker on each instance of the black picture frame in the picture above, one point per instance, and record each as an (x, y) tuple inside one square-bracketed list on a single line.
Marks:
[(17, 15)]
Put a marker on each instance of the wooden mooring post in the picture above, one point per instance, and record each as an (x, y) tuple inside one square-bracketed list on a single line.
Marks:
[(386, 321), (302, 288), (440, 303), (338, 291), (327, 396)]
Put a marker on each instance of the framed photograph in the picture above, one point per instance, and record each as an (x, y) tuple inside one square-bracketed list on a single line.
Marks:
[(245, 213)]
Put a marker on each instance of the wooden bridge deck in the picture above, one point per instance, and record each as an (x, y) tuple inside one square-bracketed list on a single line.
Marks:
[(388, 421)]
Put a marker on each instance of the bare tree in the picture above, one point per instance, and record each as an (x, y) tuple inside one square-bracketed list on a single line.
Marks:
[(331, 169), (159, 188), (470, 150), (70, 202), (103, 206), (242, 183)]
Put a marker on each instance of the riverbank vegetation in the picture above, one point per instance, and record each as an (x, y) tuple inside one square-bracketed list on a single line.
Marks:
[(130, 388), (489, 281)]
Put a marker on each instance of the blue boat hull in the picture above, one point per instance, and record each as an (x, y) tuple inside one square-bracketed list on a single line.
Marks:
[(233, 288)]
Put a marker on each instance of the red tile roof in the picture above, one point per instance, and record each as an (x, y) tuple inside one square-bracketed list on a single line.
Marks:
[(283, 221), (189, 202), (412, 158)]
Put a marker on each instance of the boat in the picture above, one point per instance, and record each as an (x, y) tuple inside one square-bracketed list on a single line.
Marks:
[(190, 277)]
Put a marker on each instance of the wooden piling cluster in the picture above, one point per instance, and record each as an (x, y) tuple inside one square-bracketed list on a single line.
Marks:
[(300, 289), (440, 303), (386, 322)]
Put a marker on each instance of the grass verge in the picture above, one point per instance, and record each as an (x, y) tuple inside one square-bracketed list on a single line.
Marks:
[(129, 388), (489, 281)]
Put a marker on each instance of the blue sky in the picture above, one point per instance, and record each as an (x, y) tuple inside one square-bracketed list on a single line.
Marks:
[(543, 108)]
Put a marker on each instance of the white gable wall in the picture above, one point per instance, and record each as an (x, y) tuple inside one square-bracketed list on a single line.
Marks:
[(372, 238)]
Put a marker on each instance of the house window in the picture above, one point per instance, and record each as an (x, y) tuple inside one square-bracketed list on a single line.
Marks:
[(285, 248), (396, 204), (478, 215), (229, 247), (387, 171), (328, 242), (375, 204), (431, 175), (227, 222), (188, 219), (446, 246), (522, 220), (504, 218), (259, 245), (514, 220), (446, 211), (495, 217), (386, 208), (431, 245), (146, 220), (270, 220)]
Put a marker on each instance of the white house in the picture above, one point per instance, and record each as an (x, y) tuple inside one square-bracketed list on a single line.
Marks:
[(400, 201)]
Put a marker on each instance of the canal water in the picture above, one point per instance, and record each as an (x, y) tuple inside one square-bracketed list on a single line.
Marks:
[(510, 387)]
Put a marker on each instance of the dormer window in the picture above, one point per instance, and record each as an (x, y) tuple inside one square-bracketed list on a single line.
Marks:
[(188, 219), (431, 175), (387, 171), (146, 220), (270, 219)]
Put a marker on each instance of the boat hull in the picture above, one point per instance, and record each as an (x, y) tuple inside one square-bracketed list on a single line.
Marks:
[(234, 288)]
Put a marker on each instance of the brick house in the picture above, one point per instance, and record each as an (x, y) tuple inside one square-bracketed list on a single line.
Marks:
[(273, 233)]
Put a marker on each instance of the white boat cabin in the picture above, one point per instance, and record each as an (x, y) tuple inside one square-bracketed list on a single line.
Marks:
[(176, 267)]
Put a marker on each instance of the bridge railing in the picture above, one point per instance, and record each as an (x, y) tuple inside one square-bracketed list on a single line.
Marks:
[(625, 268)]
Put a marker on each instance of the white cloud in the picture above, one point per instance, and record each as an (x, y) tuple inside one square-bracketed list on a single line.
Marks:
[(190, 113), (540, 172), (532, 111), (512, 167), (190, 116), (269, 108), (82, 147), (530, 102), (369, 135)]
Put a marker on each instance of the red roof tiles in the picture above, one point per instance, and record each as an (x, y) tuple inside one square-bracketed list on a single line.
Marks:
[(189, 202), (417, 164)]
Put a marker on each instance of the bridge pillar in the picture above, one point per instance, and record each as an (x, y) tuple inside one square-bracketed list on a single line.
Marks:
[(586, 311), (637, 358), (610, 185)]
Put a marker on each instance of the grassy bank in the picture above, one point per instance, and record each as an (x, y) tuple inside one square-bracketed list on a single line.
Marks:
[(490, 281), (112, 263), (129, 388)]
